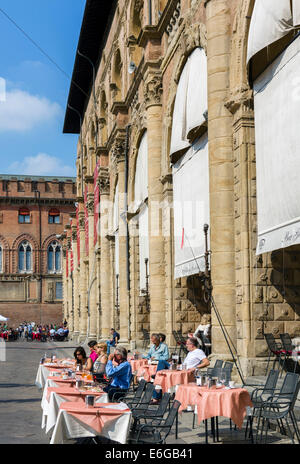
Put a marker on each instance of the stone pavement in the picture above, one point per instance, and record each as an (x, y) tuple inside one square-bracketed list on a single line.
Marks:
[(20, 401)]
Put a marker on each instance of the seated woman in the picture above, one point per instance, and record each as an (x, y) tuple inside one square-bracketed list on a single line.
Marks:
[(119, 370), (80, 358), (93, 355), (101, 361)]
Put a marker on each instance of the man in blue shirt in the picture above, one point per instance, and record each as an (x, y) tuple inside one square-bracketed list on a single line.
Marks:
[(158, 351), (113, 341), (119, 369)]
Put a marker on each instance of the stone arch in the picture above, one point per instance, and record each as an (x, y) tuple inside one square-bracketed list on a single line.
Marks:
[(35, 252), (45, 245), (239, 83), (135, 28), (133, 159), (5, 254), (103, 121), (192, 37), (116, 76)]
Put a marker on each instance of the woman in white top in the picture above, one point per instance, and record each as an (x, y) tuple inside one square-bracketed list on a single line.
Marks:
[(196, 357)]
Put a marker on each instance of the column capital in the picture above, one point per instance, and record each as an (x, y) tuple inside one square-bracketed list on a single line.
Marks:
[(104, 181), (153, 90), (118, 150)]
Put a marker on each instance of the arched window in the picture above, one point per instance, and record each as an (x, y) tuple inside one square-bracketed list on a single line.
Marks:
[(54, 257), (53, 216), (25, 257), (24, 216)]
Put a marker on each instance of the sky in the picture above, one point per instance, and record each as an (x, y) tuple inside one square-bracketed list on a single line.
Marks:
[(33, 92)]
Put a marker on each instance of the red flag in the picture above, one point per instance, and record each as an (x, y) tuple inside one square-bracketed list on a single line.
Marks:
[(86, 222), (78, 235), (96, 202), (71, 251), (67, 263), (182, 238)]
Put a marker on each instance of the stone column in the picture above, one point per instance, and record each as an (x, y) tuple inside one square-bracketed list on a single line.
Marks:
[(118, 153), (92, 281), (153, 93), (75, 285), (65, 280), (82, 276), (221, 173), (106, 279)]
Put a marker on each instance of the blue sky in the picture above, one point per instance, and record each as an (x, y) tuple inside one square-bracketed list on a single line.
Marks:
[(33, 92)]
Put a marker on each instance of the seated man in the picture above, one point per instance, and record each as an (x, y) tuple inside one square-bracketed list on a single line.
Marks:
[(114, 340), (119, 369), (196, 357), (158, 351)]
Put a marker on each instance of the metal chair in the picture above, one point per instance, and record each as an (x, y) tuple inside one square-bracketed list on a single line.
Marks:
[(280, 406), (157, 430), (177, 339), (153, 412), (288, 348), (141, 404), (274, 348), (137, 394), (205, 343), (259, 395), (146, 338)]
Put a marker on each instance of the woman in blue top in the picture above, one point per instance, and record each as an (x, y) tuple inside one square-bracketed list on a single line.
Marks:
[(119, 369)]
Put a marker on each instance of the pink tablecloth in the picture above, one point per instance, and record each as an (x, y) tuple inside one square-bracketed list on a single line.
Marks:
[(147, 371), (137, 363), (95, 417), (71, 393), (169, 378), (214, 402)]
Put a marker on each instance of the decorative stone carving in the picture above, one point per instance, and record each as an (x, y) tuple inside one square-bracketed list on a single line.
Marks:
[(104, 181), (174, 22), (153, 91), (118, 150)]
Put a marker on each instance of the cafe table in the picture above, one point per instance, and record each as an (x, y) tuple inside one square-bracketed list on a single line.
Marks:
[(44, 370), (214, 402), (75, 420), (54, 396), (136, 364), (145, 372), (168, 380)]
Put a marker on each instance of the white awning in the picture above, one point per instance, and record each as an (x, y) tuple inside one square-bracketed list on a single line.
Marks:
[(116, 209), (191, 101), (296, 12), (143, 245), (178, 137), (271, 20), (197, 90), (141, 173), (191, 209), (276, 104)]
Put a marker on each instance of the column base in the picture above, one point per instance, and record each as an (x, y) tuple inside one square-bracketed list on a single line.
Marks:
[(74, 336)]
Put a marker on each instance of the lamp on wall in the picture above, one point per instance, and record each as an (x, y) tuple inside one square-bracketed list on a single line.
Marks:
[(131, 67)]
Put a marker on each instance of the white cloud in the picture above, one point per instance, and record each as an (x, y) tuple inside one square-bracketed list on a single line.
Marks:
[(42, 165), (22, 111)]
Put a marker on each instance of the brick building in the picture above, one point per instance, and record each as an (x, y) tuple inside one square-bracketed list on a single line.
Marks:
[(33, 212)]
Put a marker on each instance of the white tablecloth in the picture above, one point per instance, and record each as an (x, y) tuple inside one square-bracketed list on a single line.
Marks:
[(41, 376), (51, 408), (68, 427)]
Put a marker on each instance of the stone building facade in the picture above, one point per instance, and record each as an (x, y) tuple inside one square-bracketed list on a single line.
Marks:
[(33, 212), (129, 122)]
